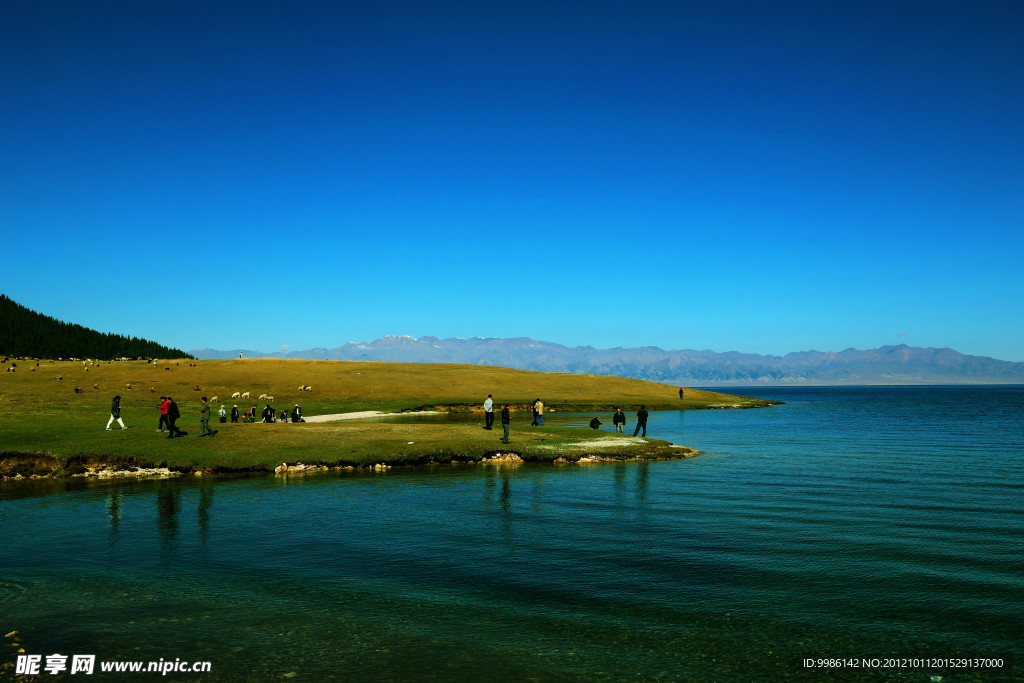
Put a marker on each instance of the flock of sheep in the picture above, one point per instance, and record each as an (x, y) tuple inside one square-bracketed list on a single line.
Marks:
[(216, 399)]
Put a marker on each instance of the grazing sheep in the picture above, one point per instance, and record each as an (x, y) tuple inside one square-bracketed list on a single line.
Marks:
[(305, 387), (262, 397), (269, 398), (237, 394), (215, 399), (245, 394)]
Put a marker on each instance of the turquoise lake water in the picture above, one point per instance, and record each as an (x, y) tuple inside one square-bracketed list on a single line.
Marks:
[(855, 524)]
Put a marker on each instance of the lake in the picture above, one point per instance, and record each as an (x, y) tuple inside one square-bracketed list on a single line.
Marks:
[(876, 531)]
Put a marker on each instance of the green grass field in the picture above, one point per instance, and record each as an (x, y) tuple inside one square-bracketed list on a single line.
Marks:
[(60, 430)]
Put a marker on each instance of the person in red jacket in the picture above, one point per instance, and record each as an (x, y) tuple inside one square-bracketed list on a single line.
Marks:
[(164, 405)]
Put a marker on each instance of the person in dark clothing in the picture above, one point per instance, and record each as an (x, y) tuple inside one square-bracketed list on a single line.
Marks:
[(680, 393), (204, 419), (595, 423), (115, 413), (172, 418), (268, 414), (506, 420), (297, 414), (234, 414), (641, 421), (618, 419)]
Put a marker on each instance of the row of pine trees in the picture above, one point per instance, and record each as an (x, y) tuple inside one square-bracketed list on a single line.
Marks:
[(25, 333)]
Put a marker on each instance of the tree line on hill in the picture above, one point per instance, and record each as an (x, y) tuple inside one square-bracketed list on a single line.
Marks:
[(23, 332)]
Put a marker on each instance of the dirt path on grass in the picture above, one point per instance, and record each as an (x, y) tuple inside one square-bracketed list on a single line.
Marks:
[(338, 417)]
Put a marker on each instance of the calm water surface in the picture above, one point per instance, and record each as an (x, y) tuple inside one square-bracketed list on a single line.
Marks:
[(847, 523)]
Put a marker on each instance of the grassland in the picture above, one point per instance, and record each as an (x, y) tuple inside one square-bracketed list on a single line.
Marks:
[(50, 429)]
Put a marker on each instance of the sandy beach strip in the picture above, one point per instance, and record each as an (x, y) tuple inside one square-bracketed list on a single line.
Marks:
[(338, 417)]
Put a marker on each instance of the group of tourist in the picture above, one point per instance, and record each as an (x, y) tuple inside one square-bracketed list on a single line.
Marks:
[(618, 419), (169, 415)]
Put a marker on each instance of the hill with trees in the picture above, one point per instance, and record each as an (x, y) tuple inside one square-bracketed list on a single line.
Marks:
[(23, 332)]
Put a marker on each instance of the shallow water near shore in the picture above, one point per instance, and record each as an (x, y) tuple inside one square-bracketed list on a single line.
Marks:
[(861, 523)]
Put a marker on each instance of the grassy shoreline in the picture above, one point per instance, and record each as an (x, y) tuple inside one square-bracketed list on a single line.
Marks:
[(53, 431)]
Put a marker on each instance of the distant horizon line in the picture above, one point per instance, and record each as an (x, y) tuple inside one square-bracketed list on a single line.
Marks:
[(268, 354)]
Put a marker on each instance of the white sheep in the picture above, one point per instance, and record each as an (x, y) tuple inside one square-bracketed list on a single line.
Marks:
[(237, 394), (245, 394), (269, 398), (215, 399), (262, 397)]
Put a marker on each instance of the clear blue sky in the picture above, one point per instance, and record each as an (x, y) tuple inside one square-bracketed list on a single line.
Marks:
[(755, 176)]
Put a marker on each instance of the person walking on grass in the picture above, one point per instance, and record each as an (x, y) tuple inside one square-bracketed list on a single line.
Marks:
[(115, 413), (641, 421), (204, 419), (163, 406), (540, 413), (506, 420), (489, 412), (619, 419), (172, 417)]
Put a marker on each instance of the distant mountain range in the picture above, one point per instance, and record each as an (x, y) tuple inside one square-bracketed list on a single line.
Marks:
[(886, 365)]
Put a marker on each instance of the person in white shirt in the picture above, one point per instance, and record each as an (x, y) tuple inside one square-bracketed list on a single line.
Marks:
[(488, 412)]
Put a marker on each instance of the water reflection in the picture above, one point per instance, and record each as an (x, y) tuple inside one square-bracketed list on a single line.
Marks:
[(498, 493), (205, 503), (114, 497), (167, 515)]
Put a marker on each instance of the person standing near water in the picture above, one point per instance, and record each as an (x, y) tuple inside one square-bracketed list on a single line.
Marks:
[(680, 393), (489, 412), (540, 413), (115, 413), (506, 420), (619, 419), (641, 421)]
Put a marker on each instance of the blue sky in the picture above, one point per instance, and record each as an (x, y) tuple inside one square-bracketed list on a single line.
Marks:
[(763, 177)]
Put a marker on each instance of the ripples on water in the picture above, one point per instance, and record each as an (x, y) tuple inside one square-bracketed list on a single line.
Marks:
[(858, 523)]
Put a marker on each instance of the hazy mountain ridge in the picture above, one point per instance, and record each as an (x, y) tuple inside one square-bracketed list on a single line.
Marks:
[(886, 365)]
